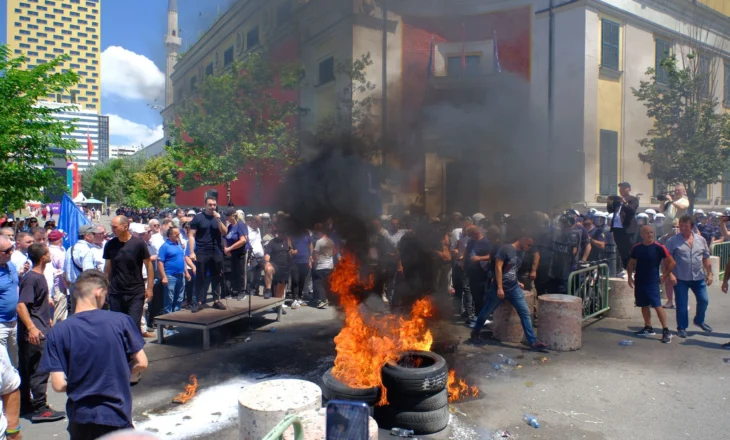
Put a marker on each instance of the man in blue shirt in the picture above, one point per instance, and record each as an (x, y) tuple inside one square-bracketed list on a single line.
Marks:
[(646, 257), (8, 301), (87, 357), (173, 273)]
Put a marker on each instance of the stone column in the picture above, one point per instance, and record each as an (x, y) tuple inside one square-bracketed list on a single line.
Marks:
[(506, 324), (621, 300), (561, 322)]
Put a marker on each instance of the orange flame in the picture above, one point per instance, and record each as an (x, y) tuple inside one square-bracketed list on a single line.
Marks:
[(365, 344), (458, 388), (189, 392)]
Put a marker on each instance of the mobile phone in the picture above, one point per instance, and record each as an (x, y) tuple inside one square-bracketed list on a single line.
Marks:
[(347, 420)]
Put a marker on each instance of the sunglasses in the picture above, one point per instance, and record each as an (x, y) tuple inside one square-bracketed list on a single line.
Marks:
[(8, 251)]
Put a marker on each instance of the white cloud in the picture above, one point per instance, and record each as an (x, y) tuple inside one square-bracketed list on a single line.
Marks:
[(132, 133), (130, 75)]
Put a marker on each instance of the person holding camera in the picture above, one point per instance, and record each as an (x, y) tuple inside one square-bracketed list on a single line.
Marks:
[(623, 223), (673, 206)]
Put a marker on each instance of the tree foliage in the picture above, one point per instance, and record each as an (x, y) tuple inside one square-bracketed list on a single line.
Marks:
[(236, 121), (132, 181), (31, 139), (689, 141)]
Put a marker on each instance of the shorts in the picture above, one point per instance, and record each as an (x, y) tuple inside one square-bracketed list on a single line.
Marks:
[(647, 295), (281, 274)]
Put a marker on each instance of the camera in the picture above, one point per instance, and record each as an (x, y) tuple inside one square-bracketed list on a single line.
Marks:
[(662, 197), (613, 204)]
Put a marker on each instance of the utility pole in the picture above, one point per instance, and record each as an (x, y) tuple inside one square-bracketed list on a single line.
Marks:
[(384, 114), (551, 105)]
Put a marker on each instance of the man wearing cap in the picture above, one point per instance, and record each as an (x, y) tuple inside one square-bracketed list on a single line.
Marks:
[(74, 260), (623, 224), (57, 287)]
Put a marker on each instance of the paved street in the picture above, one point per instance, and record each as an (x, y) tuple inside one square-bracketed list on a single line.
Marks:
[(604, 391)]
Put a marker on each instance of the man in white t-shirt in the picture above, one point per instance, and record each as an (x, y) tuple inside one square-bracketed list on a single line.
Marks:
[(674, 207), (323, 258), (256, 261)]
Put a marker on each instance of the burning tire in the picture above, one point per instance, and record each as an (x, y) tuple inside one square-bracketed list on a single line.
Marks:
[(422, 423), (334, 389), (432, 402), (416, 373)]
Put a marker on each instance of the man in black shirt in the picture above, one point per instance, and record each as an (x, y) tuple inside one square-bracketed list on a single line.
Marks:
[(125, 255), (204, 240), (34, 316)]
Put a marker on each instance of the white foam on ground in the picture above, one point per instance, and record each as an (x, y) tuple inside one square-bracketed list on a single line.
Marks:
[(212, 409)]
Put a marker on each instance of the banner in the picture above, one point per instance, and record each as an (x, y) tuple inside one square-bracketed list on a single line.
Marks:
[(70, 219)]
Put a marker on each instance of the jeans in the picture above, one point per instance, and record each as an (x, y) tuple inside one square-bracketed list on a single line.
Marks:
[(477, 285), (462, 290), (206, 263), (9, 340), (33, 383), (234, 278), (516, 297), (174, 292), (321, 281), (300, 273), (681, 291)]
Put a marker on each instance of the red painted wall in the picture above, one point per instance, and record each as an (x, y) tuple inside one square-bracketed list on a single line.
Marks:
[(243, 190)]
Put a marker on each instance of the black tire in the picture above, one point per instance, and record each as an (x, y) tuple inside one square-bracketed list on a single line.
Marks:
[(433, 402), (333, 389), (422, 423), (416, 381)]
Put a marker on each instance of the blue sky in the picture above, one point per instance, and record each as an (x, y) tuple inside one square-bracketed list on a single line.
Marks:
[(133, 60)]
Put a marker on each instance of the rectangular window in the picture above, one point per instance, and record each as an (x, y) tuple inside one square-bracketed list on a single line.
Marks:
[(51, 16), (659, 187), (24, 32), (57, 24), (610, 44), (50, 2), (209, 69), (704, 74), (326, 70), (455, 68), (32, 26), (283, 13), (18, 38), (702, 193), (608, 162), (50, 29), (64, 5), (228, 57), (58, 11), (252, 38), (65, 32), (74, 52), (41, 35), (75, 40), (57, 50), (66, 19), (65, 45), (34, 13), (21, 18), (727, 87), (41, 21), (58, 37), (33, 40), (75, 14), (73, 26), (32, 53)]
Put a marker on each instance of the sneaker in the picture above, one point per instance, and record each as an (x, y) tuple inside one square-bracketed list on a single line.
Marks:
[(322, 305), (474, 338), (646, 331), (539, 347), (295, 304), (47, 414), (666, 336), (668, 306), (195, 308), (704, 327), (283, 311), (682, 333), (167, 333), (727, 345), (268, 294), (219, 305), (242, 297), (623, 275)]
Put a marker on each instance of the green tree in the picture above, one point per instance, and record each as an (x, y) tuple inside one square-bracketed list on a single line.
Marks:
[(156, 182), (31, 139), (114, 179), (234, 122), (689, 141)]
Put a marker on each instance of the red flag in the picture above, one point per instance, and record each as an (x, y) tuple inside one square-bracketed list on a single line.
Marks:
[(463, 47), (89, 145)]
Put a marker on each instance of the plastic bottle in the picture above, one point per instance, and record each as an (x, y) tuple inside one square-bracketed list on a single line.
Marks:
[(498, 367), (531, 420), (509, 361), (626, 343)]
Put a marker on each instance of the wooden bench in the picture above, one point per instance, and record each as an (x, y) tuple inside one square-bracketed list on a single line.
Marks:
[(210, 318)]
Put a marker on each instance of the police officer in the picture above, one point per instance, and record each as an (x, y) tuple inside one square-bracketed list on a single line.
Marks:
[(566, 244)]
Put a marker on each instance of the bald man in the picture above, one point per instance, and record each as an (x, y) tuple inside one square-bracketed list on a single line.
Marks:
[(125, 255), (91, 357), (646, 257)]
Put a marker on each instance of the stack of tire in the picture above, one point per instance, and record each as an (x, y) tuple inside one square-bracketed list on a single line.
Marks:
[(417, 394), (333, 389)]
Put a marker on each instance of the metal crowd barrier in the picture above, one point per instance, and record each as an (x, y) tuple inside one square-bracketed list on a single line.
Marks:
[(591, 285), (721, 250)]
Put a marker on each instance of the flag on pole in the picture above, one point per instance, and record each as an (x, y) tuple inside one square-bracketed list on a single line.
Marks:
[(430, 66), (463, 47), (497, 66), (70, 219), (89, 145)]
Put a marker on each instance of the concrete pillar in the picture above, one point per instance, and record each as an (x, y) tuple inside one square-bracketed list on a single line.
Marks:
[(561, 321), (506, 325), (621, 300), (262, 406), (715, 263), (313, 422)]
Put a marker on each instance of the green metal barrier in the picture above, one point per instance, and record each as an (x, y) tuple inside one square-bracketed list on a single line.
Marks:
[(278, 431), (721, 250), (591, 285)]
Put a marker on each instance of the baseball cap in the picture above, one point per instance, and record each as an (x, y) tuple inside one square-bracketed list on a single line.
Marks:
[(55, 235), (191, 212), (624, 185), (137, 228), (86, 229), (229, 212)]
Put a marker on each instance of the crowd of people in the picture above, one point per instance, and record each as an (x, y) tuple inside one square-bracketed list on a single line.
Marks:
[(62, 308)]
